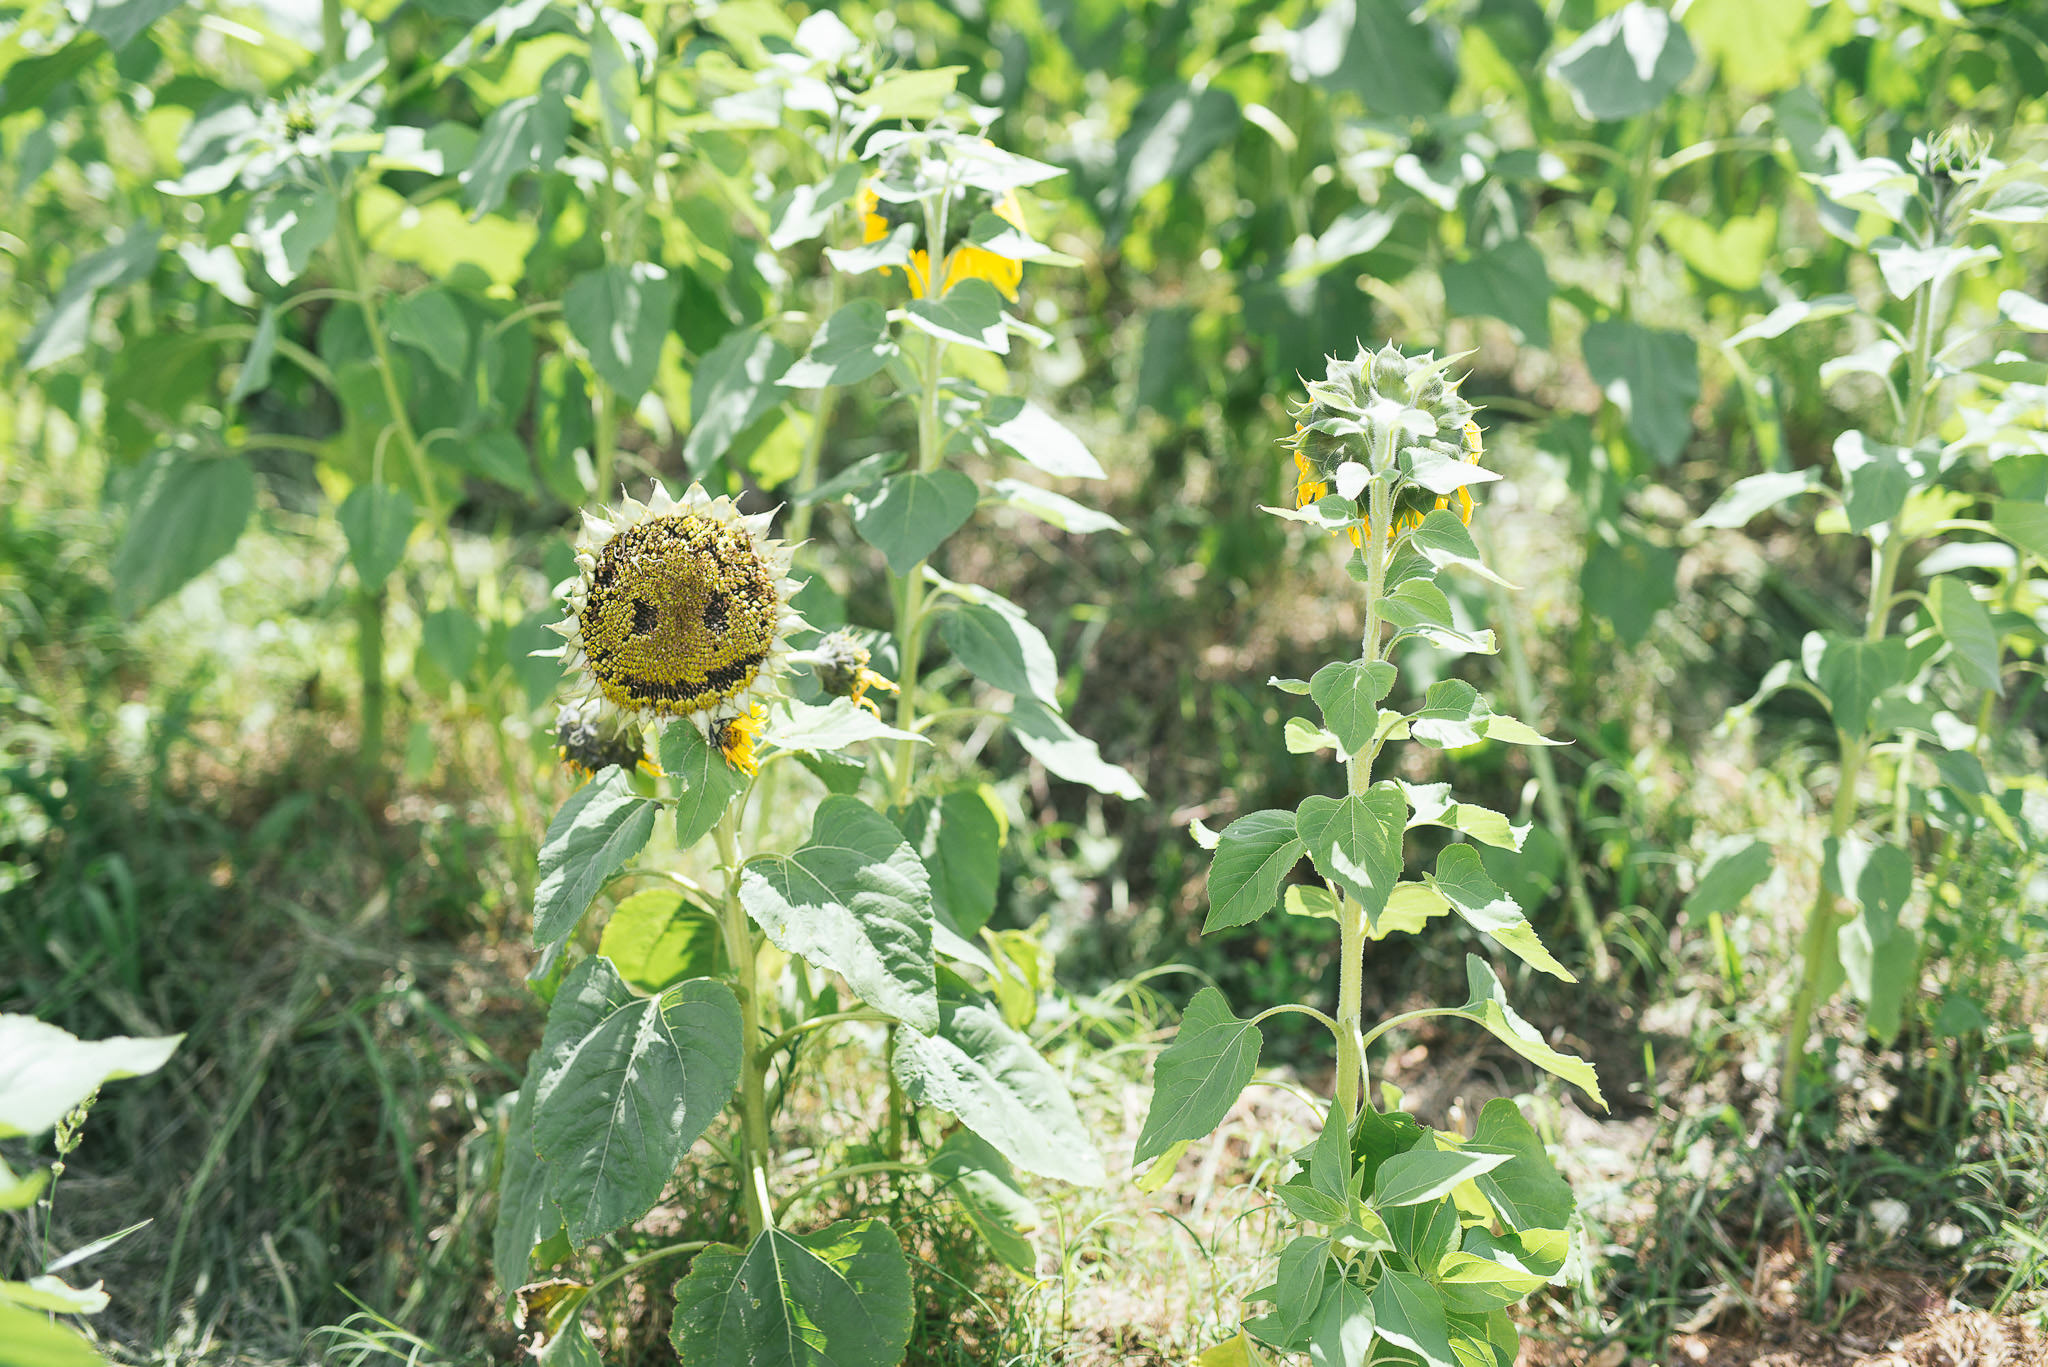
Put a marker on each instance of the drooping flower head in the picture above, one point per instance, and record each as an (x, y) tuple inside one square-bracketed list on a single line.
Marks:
[(1388, 415), (840, 663), (879, 217), (590, 736), (680, 608)]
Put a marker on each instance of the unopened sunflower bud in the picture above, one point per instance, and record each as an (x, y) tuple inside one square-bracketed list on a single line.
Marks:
[(1371, 417)]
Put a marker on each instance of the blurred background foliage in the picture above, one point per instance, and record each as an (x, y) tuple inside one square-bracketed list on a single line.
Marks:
[(321, 325)]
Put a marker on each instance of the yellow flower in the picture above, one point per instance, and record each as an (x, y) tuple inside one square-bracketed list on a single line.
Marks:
[(879, 218), (679, 608), (735, 736), (1408, 512)]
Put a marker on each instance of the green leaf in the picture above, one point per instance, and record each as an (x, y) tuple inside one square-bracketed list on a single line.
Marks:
[(910, 93), (837, 1297), (55, 1295), (1791, 314), (1419, 1175), (1423, 1232), (1410, 1315), (970, 314), (1300, 1283), (1966, 625), (1733, 254), (959, 835), (911, 514), (1852, 673), (1349, 692), (1879, 956), (735, 385), (1000, 237), (1173, 129), (190, 513), (255, 372), (854, 900), (805, 212), (1355, 841), (1199, 1076), (1253, 858), (30, 1338), (378, 520), (980, 1179), (527, 1215), (620, 315), (46, 1070), (1452, 715), (1732, 871), (1626, 64), (820, 729), (1651, 375), (1488, 1006), (1476, 897), (1527, 1192), (1416, 604), (1411, 907), (1906, 268), (999, 646), (19, 1193), (1343, 1324), (451, 638), (2024, 524), (524, 134), (430, 322), (288, 223), (1041, 439), (1432, 806), (853, 345), (1473, 1284), (1047, 738), (1058, 509), (989, 1076), (1508, 281), (655, 938), (1745, 498), (64, 331), (632, 1081), (1443, 540), (1876, 478), (1379, 51), (602, 825), (706, 783)]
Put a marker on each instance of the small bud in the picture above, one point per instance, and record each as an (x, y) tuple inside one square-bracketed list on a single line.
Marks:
[(590, 738)]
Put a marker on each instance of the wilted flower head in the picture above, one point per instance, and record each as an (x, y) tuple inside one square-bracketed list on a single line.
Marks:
[(840, 663), (1389, 414), (590, 736), (680, 608)]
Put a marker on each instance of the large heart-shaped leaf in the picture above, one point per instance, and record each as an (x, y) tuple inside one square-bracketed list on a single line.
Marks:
[(911, 514), (620, 316), (837, 1297), (190, 514), (602, 825), (631, 1082), (1355, 841), (1199, 1076), (854, 900), (989, 1076), (1253, 856)]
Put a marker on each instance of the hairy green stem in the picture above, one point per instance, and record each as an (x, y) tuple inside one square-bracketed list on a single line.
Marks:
[(370, 668), (1351, 1074), (742, 950)]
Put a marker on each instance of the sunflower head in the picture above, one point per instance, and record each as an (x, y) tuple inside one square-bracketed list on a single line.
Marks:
[(589, 737), (880, 217), (1380, 411), (679, 608), (840, 663)]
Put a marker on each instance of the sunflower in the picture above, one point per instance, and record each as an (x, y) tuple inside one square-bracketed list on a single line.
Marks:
[(734, 738), (879, 218), (1408, 509), (591, 735), (840, 663), (680, 608)]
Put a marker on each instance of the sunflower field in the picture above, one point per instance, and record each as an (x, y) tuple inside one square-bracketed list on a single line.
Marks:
[(770, 684)]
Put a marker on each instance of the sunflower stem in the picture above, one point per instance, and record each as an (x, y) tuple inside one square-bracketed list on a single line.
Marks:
[(1351, 918), (741, 948)]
